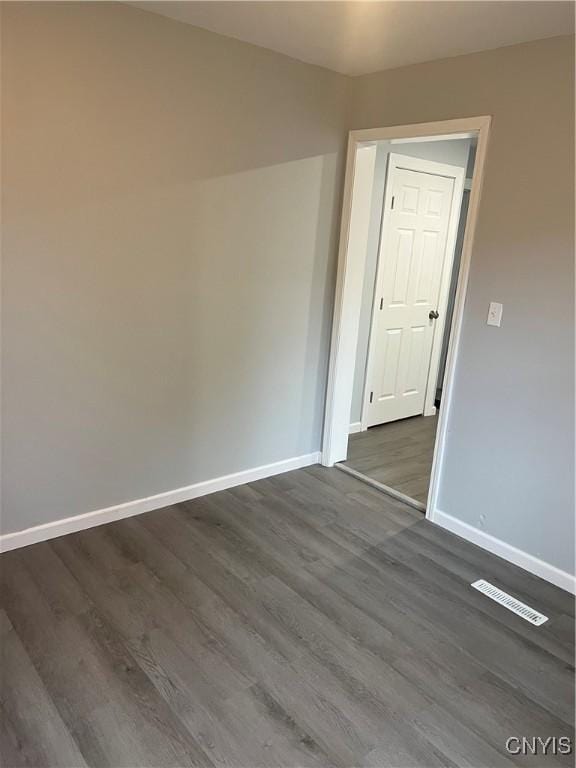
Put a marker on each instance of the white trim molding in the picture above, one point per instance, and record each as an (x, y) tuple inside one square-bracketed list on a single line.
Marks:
[(356, 426), (512, 554), (360, 164), (66, 525)]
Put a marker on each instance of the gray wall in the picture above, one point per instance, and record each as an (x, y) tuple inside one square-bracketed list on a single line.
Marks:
[(169, 211), (453, 152), (510, 463)]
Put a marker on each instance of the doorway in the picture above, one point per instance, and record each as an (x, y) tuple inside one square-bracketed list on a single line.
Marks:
[(411, 201)]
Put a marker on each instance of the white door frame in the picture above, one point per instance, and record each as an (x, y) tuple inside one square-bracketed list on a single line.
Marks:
[(439, 169), (347, 300)]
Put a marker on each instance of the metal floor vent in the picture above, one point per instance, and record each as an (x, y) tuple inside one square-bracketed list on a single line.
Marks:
[(509, 602)]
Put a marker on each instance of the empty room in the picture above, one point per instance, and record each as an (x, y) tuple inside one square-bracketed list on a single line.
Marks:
[(287, 384)]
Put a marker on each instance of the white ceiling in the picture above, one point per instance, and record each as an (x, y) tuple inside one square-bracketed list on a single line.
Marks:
[(355, 38)]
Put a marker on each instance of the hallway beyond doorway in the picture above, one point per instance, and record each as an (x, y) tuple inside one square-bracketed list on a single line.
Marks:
[(398, 454)]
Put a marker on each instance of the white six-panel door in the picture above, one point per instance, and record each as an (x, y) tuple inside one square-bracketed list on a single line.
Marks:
[(413, 260)]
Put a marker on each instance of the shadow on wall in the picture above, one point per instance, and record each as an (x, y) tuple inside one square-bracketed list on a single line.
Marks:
[(169, 256), (105, 99)]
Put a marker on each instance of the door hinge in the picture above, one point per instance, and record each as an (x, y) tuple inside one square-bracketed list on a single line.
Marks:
[(381, 302), (392, 205), (371, 396)]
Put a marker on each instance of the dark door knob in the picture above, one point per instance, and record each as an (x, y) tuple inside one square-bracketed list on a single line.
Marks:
[(433, 315)]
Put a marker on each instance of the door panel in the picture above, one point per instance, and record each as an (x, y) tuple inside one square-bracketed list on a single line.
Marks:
[(402, 257), (411, 260), (392, 343), (426, 270), (416, 353)]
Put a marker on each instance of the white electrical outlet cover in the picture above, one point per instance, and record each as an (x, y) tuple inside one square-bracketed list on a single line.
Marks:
[(494, 314)]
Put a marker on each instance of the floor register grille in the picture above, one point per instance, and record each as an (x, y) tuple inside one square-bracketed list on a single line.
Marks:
[(514, 605)]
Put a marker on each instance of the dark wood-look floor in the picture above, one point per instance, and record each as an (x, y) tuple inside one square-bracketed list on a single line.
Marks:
[(398, 454), (305, 620)]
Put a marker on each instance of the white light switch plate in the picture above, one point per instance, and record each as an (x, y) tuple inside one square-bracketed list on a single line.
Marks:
[(494, 314)]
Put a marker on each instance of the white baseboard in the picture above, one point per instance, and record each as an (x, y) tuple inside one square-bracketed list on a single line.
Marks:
[(356, 426), (136, 507), (528, 562)]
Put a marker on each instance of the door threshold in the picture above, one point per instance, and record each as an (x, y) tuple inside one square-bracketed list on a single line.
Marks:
[(381, 487)]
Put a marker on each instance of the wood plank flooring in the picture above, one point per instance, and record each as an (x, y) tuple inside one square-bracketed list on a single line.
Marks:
[(398, 454), (304, 620)]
